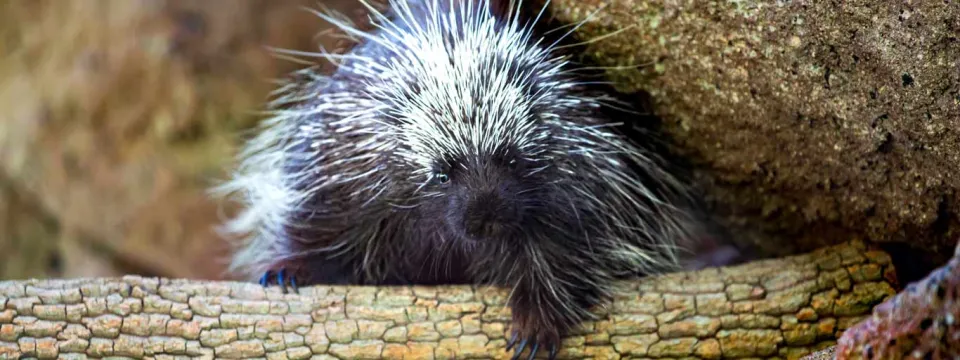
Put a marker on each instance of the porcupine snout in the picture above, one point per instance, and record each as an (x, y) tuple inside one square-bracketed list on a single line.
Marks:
[(490, 213)]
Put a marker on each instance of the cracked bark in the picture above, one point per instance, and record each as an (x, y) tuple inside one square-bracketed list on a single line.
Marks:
[(783, 308), (918, 323)]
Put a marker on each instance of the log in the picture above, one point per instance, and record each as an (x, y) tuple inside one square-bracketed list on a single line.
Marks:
[(825, 354), (783, 308), (919, 323)]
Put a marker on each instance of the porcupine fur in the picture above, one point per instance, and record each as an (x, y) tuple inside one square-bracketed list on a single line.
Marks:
[(455, 145)]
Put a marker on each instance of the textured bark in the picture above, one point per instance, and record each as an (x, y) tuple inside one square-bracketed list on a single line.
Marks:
[(774, 308), (825, 354), (919, 323), (809, 122)]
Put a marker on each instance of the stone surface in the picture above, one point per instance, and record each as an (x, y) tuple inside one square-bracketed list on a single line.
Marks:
[(680, 315), (806, 125)]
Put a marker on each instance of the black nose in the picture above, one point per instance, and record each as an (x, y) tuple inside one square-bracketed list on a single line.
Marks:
[(489, 215)]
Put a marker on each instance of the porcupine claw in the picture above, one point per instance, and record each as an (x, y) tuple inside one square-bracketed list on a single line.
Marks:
[(280, 282), (280, 275), (293, 284), (513, 341), (516, 353), (533, 349)]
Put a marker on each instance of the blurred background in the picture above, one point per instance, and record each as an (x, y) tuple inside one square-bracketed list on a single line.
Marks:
[(118, 115)]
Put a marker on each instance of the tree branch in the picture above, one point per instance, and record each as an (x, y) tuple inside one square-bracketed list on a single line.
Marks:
[(919, 322), (784, 307)]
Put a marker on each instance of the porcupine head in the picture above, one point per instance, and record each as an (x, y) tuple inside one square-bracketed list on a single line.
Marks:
[(454, 145)]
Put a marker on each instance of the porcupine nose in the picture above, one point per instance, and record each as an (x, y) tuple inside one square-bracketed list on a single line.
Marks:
[(488, 215)]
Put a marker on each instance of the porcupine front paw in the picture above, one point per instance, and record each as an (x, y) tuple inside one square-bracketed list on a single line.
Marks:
[(281, 278), (538, 338)]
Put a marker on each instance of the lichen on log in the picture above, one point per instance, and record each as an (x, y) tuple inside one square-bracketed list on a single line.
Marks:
[(782, 308), (918, 323)]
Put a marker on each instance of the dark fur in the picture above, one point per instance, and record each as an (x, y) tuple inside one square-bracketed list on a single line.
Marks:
[(490, 227)]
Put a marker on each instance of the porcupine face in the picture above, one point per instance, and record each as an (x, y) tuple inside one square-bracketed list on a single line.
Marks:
[(469, 103), (484, 131), (491, 128), (484, 197), (487, 187)]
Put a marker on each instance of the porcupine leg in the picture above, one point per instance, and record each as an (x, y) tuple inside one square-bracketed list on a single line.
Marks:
[(543, 311), (283, 274), (307, 271), (282, 279)]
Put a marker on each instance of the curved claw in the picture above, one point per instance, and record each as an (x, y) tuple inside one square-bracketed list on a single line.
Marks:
[(520, 347), (281, 278), (534, 347), (264, 279), (283, 285), (533, 351), (513, 341)]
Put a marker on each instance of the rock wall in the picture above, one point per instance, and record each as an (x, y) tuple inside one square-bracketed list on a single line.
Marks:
[(807, 122)]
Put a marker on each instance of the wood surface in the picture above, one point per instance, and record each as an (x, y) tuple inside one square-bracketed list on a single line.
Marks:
[(780, 308)]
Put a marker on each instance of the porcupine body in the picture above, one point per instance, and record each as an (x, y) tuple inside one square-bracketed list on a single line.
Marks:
[(453, 145)]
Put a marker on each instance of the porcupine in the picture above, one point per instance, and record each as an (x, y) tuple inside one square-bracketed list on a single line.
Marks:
[(455, 145)]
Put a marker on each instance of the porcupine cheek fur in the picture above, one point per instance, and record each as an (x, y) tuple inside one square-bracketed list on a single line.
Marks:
[(485, 203)]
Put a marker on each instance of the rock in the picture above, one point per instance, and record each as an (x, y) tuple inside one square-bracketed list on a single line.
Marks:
[(806, 125), (118, 128), (29, 249)]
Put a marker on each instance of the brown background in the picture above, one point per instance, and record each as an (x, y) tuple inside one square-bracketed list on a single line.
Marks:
[(118, 115)]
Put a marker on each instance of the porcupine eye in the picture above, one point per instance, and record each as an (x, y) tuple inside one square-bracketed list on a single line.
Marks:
[(441, 174), (514, 163)]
